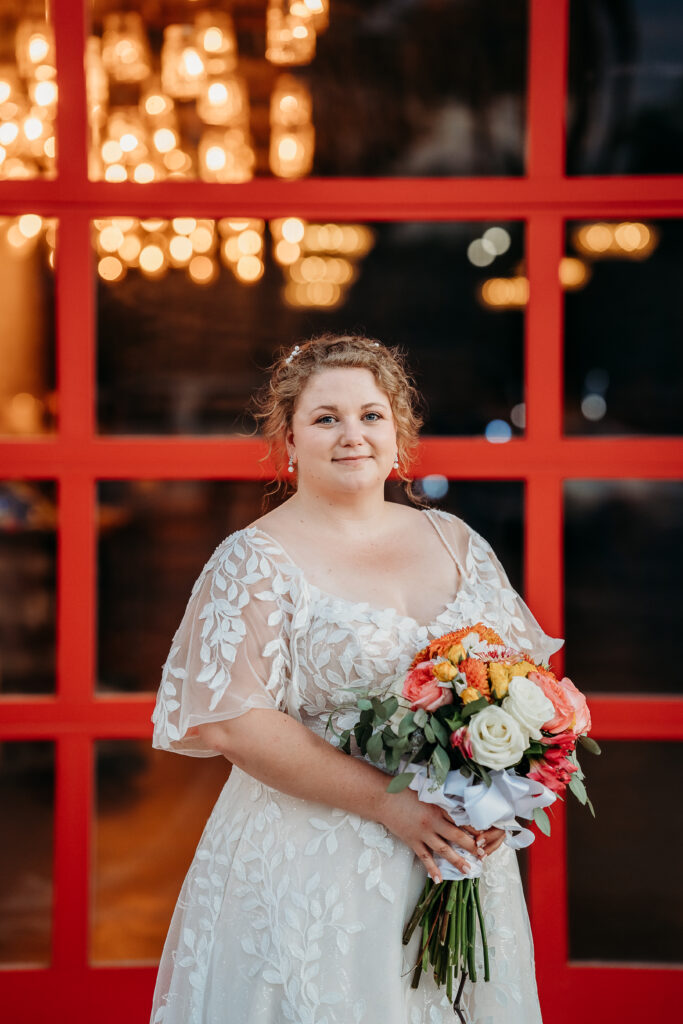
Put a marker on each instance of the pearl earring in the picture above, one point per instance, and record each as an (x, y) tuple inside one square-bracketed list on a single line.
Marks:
[(396, 461), (290, 467)]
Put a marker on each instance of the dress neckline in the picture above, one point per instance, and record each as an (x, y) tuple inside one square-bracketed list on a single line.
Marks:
[(366, 604)]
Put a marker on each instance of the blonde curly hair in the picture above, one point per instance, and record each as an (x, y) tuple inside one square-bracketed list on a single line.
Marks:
[(273, 406)]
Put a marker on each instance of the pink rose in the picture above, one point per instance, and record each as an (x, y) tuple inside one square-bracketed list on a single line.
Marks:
[(582, 723), (423, 690), (460, 739), (564, 709), (553, 770)]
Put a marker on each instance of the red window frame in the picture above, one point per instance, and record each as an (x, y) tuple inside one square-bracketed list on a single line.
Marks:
[(76, 457)]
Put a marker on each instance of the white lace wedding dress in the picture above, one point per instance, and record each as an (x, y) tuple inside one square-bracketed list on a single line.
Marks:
[(291, 910)]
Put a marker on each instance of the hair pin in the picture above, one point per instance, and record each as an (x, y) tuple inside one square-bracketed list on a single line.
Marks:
[(295, 352)]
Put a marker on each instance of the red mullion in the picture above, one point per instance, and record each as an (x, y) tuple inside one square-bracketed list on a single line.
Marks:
[(69, 19), (395, 199), (546, 90), (73, 810)]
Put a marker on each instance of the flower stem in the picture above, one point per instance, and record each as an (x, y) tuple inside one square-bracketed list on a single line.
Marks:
[(487, 974)]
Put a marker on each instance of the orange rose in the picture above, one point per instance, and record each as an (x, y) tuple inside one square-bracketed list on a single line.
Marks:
[(422, 689), (564, 711)]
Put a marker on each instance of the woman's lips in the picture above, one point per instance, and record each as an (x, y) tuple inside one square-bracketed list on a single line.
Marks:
[(353, 458)]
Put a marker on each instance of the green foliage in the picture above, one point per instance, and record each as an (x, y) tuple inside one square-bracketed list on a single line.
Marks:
[(542, 820), (590, 744), (473, 707), (400, 782), (442, 764)]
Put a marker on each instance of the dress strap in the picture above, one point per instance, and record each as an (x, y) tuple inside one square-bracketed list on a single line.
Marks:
[(434, 520)]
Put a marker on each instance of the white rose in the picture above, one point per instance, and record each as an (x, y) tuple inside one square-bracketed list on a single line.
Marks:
[(529, 706), (497, 740)]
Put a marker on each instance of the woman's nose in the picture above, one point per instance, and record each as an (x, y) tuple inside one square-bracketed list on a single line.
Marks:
[(351, 432)]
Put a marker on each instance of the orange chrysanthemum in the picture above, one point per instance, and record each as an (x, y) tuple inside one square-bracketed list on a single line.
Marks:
[(444, 643), (475, 672)]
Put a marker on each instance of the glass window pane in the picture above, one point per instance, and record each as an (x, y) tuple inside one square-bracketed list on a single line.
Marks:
[(625, 87), (28, 567), (190, 313), (27, 801), (155, 537), (28, 92), (365, 90), (620, 906), (623, 567), (28, 400), (623, 322), (151, 809)]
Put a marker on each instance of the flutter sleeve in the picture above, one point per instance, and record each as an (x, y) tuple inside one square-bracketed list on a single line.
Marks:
[(515, 620), (230, 652)]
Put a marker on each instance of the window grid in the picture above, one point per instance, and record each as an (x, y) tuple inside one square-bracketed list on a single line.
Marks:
[(76, 458)]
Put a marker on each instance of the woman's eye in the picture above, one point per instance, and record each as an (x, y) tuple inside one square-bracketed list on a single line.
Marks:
[(325, 419)]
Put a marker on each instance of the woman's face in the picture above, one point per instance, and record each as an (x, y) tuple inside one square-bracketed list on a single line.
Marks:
[(343, 434)]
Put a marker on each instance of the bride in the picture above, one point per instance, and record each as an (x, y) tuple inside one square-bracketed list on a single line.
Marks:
[(294, 905)]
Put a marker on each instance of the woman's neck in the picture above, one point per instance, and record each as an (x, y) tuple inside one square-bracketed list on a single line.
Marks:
[(363, 512)]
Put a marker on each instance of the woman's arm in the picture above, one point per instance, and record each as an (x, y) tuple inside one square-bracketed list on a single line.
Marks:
[(282, 753)]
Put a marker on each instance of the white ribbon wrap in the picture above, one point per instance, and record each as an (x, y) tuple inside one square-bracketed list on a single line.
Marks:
[(469, 801)]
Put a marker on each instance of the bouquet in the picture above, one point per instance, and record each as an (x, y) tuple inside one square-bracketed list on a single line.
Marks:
[(488, 734)]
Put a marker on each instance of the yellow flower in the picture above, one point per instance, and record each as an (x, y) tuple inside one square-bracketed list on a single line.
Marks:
[(444, 671), (499, 675), (469, 694), (522, 668), (456, 653)]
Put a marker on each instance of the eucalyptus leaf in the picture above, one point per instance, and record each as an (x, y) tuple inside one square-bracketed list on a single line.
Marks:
[(390, 705), (400, 782), (375, 747), (429, 733), (542, 820), (439, 731), (442, 764), (590, 744), (364, 704), (367, 717), (590, 806), (392, 759), (378, 708), (407, 724), (421, 718), (578, 789)]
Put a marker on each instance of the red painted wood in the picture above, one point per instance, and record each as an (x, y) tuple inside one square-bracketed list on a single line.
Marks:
[(401, 199), (547, 71), (544, 197), (455, 457), (73, 804)]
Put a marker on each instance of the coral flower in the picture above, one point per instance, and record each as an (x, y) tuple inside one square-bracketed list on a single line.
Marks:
[(422, 689)]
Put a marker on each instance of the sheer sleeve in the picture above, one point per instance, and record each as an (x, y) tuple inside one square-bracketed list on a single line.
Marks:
[(518, 625), (230, 652)]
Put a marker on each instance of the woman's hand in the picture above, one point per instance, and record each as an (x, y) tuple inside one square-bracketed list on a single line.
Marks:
[(488, 839), (428, 830)]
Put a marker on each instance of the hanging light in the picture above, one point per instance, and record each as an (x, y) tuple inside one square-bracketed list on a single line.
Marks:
[(183, 70), (226, 156), (224, 101), (34, 47), (291, 151), (125, 50), (216, 40), (290, 38), (317, 12)]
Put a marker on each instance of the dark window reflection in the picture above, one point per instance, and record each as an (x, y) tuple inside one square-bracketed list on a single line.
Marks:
[(620, 906), (26, 805), (625, 87), (151, 808), (623, 567), (176, 357), (420, 89), (155, 538), (28, 553), (623, 360)]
